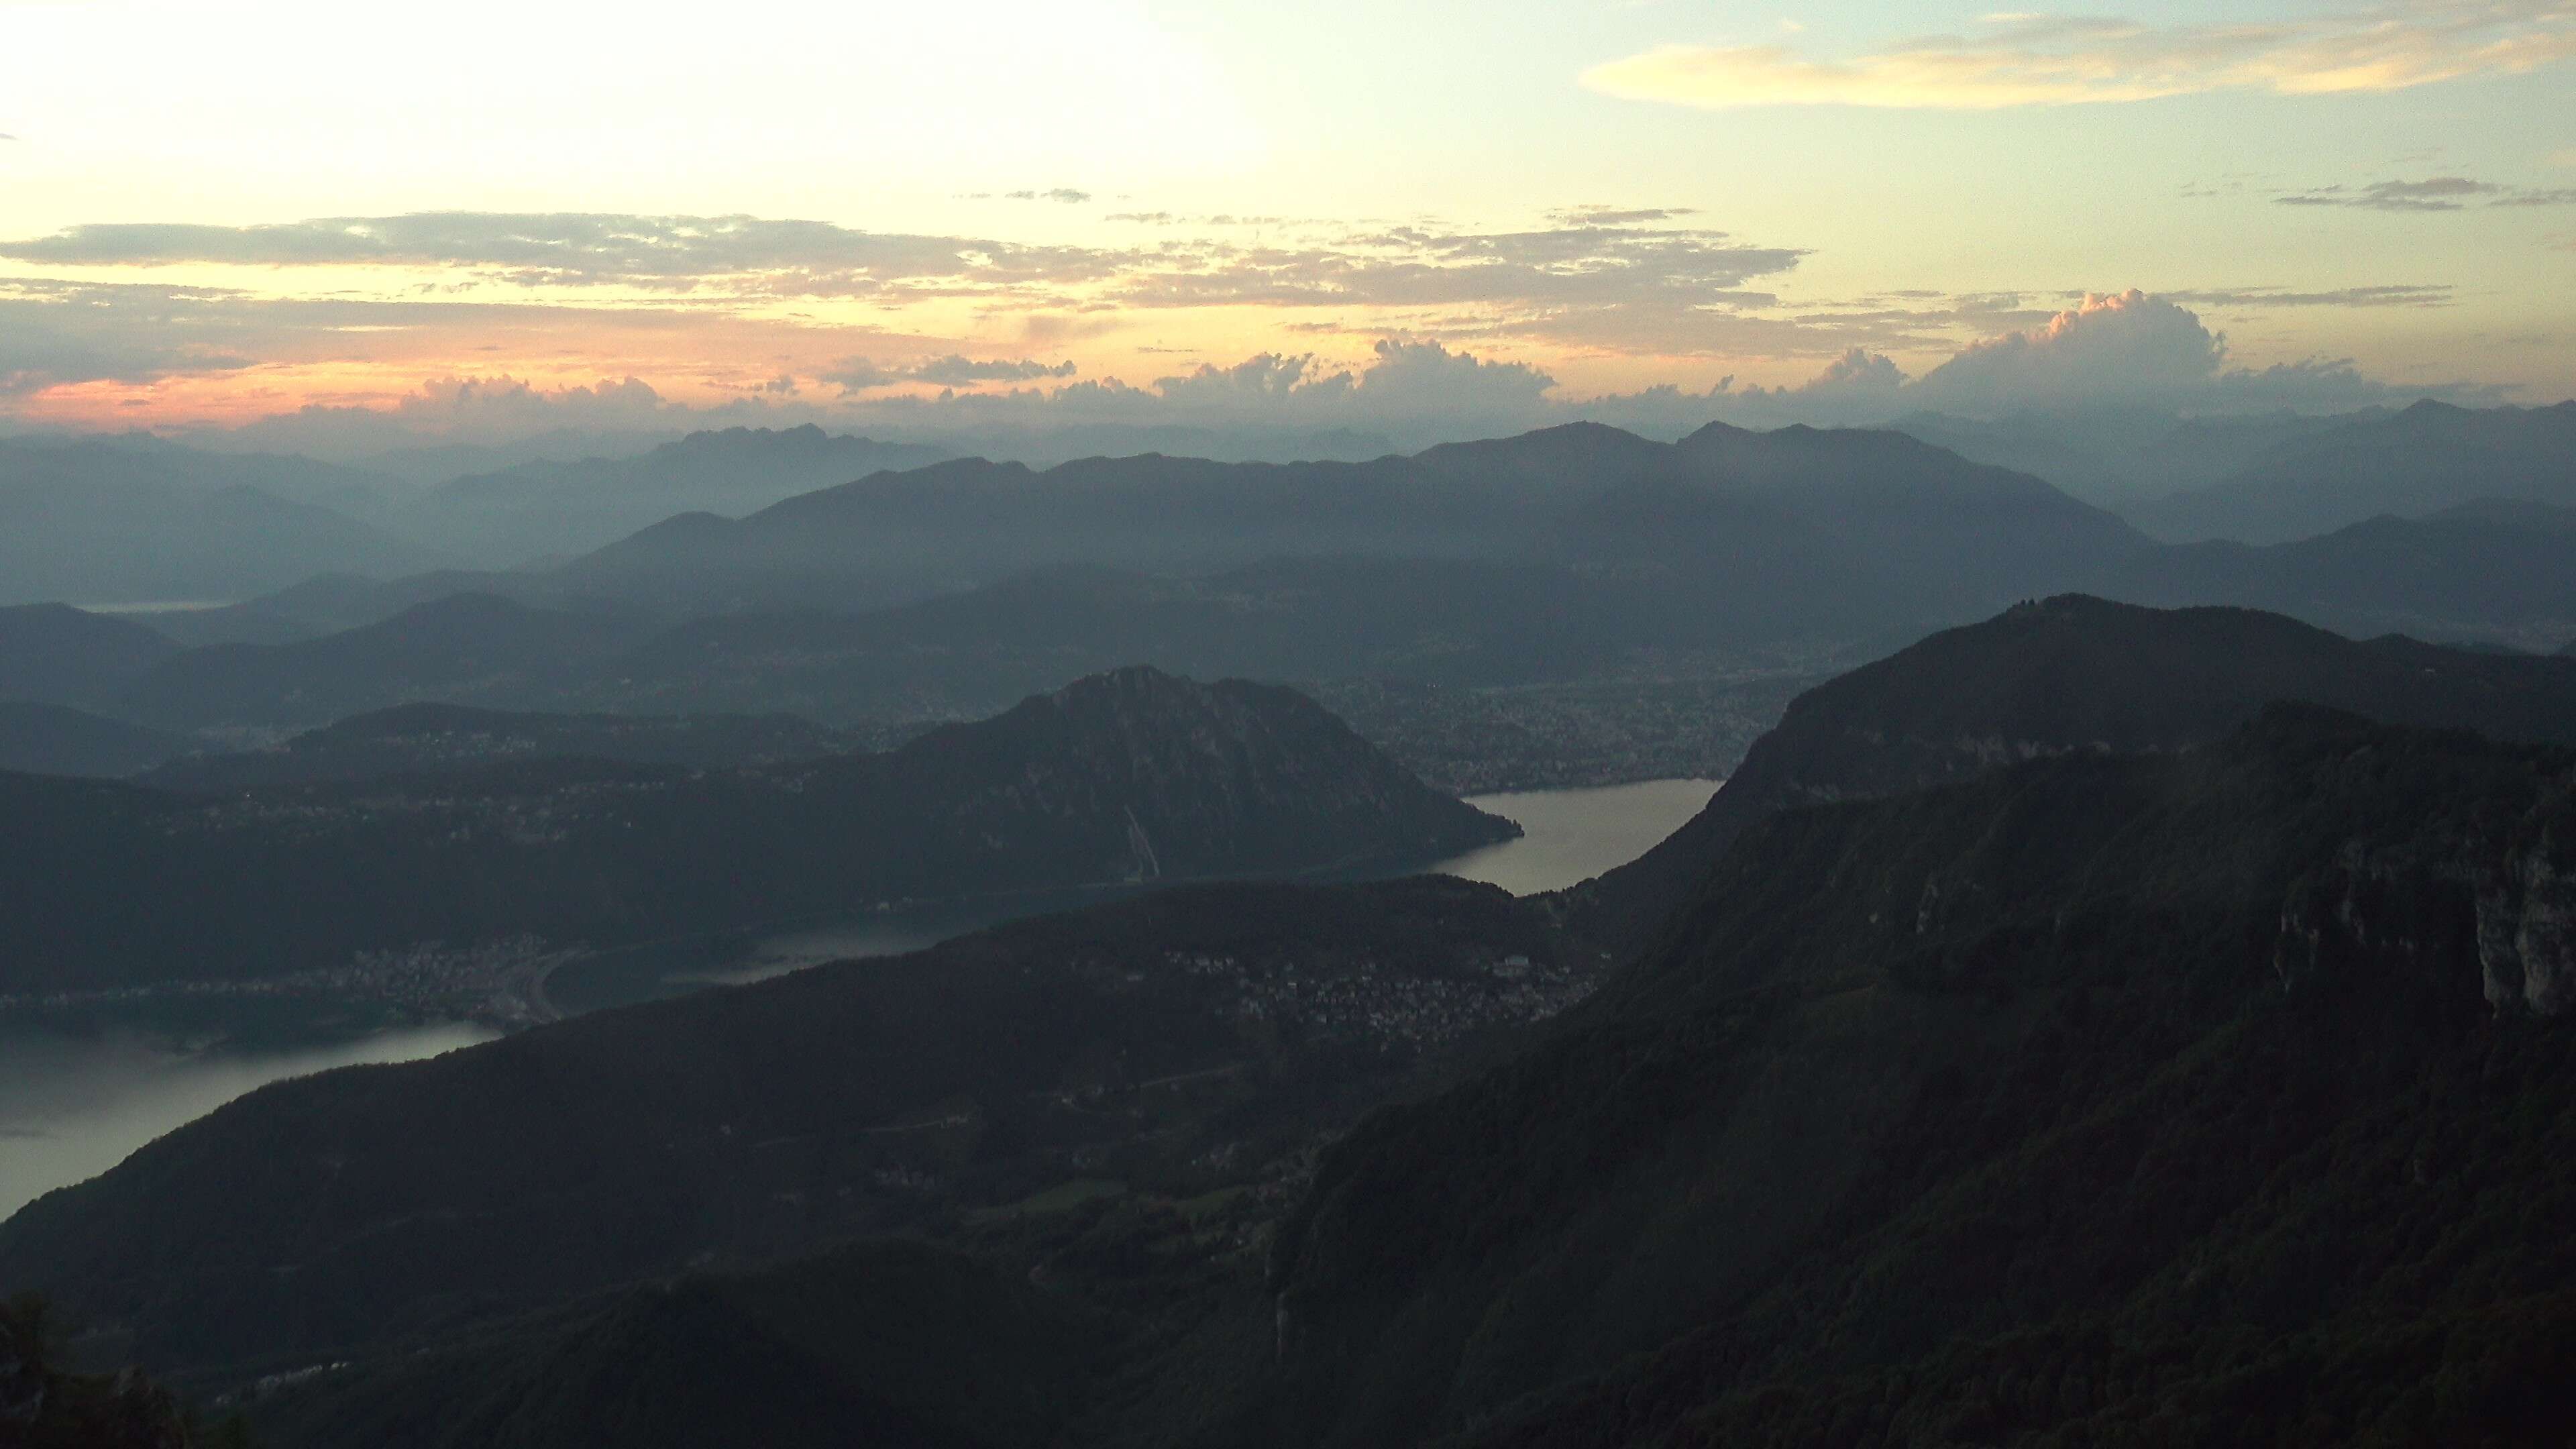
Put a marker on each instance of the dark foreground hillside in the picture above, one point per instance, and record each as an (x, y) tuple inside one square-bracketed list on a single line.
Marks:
[(887, 1342), (2179, 1068), (1128, 776), (2070, 675), (2221, 1095), (2214, 1097), (1188, 1047)]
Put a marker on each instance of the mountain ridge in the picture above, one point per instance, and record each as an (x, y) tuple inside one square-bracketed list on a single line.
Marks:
[(1133, 776), (2071, 674), (1976, 1061)]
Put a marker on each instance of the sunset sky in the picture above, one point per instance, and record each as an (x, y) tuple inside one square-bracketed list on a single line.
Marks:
[(212, 214)]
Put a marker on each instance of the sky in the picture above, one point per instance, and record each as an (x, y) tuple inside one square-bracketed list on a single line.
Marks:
[(319, 222)]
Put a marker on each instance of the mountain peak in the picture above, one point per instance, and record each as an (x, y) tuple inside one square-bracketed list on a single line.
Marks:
[(1127, 677), (1708, 434), (2424, 408)]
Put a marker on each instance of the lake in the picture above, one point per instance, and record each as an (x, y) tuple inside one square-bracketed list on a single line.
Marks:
[(1567, 836), (74, 1103), (1570, 836)]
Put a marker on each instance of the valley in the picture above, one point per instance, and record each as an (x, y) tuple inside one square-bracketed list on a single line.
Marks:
[(168, 1052), (447, 976), (1230, 726)]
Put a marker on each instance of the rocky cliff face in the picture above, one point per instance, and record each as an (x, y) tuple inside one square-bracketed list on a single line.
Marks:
[(2527, 934), (1912, 1085), (2444, 898)]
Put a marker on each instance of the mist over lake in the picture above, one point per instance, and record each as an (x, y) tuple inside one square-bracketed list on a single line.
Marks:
[(73, 1106)]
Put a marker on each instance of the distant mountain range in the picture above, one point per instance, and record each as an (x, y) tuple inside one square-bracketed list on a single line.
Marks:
[(52, 739), (2276, 478), (2426, 459), (1571, 553), (1123, 777), (545, 508), (457, 648), (132, 520), (1727, 538), (425, 739), (61, 655), (1874, 511), (2125, 458)]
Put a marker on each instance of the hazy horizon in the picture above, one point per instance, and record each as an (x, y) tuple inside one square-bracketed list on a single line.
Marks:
[(300, 234)]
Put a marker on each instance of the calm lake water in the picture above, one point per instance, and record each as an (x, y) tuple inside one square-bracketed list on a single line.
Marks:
[(1573, 835), (73, 1104)]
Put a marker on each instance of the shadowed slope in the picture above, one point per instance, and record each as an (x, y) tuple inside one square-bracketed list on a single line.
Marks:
[(1122, 777), (2066, 675), (2084, 1068)]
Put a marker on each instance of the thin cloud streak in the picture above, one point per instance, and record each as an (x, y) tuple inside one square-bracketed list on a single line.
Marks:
[(1600, 279), (2048, 60), (2435, 193)]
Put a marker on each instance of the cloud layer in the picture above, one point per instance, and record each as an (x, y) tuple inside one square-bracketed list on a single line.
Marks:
[(2127, 351), (2042, 59), (860, 374)]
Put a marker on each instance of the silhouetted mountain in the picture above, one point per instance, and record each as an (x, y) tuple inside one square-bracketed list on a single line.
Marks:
[(53, 739), (546, 507), (1060, 442), (62, 655), (1447, 620), (2124, 458), (113, 460), (417, 739), (1550, 466), (1166, 1045), (876, 1343), (115, 520), (2069, 675), (457, 647), (901, 536), (1844, 533), (331, 603), (1128, 776), (427, 463), (2218, 1095), (2429, 457), (959, 655), (1541, 495), (2481, 568)]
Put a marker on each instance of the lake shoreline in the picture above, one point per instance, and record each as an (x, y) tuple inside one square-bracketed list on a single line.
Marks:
[(86, 1080)]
